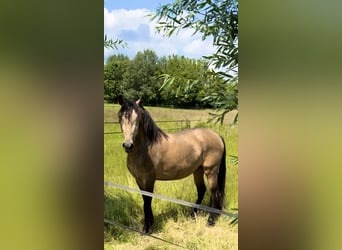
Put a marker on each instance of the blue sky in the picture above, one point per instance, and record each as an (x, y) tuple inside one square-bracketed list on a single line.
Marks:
[(127, 20), (135, 4)]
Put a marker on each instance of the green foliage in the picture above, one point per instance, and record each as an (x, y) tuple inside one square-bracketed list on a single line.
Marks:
[(114, 70), (225, 100), (235, 221), (110, 43), (188, 81), (141, 77), (148, 76), (216, 19), (234, 160)]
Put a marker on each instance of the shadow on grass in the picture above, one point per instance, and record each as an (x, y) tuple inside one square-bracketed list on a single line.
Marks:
[(175, 212), (123, 208)]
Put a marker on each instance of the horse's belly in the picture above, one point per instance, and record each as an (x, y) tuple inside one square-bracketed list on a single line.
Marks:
[(177, 168), (173, 174), (177, 157)]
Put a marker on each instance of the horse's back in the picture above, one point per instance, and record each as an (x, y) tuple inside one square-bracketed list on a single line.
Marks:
[(183, 152), (212, 146), (202, 137)]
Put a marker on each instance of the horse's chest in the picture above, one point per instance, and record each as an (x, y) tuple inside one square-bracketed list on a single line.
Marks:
[(138, 166), (132, 167)]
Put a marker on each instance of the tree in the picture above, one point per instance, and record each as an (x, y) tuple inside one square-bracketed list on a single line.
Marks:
[(218, 19), (185, 72), (141, 77), (114, 70)]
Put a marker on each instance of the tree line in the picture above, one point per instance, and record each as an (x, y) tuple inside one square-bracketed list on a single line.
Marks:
[(145, 75)]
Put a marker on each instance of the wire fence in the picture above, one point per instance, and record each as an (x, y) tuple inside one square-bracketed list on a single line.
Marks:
[(141, 232), (181, 202), (158, 196), (179, 125)]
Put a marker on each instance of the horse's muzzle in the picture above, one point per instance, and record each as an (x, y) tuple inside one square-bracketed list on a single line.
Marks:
[(128, 147)]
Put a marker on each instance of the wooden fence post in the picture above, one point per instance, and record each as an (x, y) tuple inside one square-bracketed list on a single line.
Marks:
[(188, 124)]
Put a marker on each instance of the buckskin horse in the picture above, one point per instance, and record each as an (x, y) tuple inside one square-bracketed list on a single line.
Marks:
[(155, 155)]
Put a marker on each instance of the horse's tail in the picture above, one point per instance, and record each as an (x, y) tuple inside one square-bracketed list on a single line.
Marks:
[(221, 177)]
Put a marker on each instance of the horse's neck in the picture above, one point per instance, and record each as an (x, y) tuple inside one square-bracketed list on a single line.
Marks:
[(140, 143)]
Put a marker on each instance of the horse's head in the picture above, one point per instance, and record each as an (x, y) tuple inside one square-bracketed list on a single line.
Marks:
[(129, 118)]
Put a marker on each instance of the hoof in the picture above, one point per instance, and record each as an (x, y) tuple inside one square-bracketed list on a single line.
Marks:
[(147, 230), (194, 215), (211, 222)]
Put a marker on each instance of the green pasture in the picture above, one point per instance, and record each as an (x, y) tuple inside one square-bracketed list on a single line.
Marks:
[(172, 221)]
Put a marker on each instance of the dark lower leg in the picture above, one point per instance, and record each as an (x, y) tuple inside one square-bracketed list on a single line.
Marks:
[(200, 194), (214, 203), (148, 215), (200, 186), (149, 219)]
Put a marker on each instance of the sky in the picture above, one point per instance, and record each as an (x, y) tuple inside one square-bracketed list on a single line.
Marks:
[(127, 20)]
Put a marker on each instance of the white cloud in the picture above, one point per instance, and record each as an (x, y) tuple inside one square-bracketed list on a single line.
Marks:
[(136, 28), (199, 46), (117, 20)]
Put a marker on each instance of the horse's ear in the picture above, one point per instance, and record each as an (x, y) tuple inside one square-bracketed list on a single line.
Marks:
[(139, 102), (120, 99)]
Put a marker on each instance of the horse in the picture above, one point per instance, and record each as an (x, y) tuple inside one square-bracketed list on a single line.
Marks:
[(154, 155)]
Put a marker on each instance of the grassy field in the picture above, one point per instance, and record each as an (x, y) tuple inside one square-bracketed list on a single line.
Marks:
[(172, 221)]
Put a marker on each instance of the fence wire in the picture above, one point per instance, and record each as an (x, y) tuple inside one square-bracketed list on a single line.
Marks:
[(141, 232), (181, 202), (184, 124)]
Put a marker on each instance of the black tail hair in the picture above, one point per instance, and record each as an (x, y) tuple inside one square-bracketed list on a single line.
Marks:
[(221, 177)]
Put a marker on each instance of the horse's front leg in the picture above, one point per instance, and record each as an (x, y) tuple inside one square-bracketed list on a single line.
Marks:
[(149, 219)]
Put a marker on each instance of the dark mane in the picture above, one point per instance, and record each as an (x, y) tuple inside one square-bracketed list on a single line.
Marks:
[(152, 132), (127, 107)]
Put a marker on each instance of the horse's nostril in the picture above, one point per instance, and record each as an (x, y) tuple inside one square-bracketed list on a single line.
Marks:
[(127, 145)]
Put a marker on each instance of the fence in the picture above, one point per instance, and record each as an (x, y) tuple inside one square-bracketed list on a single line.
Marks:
[(179, 125), (158, 196), (141, 232), (181, 202)]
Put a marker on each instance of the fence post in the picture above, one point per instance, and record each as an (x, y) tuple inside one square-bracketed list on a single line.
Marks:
[(188, 124)]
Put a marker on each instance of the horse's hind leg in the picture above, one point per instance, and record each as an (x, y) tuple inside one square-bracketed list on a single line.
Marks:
[(199, 182), (148, 215), (214, 199)]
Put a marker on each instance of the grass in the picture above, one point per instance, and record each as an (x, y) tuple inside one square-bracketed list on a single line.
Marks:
[(172, 221)]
